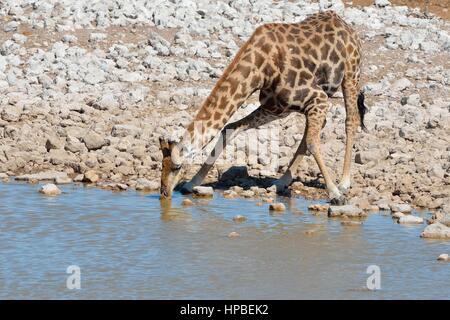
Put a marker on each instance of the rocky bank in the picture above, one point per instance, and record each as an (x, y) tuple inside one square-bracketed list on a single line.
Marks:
[(87, 88)]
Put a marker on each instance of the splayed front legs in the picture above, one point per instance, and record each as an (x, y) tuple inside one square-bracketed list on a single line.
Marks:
[(255, 119)]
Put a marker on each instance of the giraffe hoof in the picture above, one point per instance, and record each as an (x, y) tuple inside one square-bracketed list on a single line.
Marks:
[(286, 192), (343, 187), (338, 201), (282, 189)]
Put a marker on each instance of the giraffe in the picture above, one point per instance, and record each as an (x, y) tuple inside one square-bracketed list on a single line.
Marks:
[(296, 68)]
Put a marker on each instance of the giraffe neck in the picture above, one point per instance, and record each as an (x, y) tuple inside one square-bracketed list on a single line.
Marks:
[(238, 82)]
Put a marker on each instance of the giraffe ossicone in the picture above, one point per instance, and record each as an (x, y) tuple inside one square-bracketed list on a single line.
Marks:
[(295, 68)]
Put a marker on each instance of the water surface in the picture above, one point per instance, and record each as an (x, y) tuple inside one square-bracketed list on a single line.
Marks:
[(129, 246)]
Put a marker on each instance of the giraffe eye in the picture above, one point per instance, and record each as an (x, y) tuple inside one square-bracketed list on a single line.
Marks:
[(176, 167)]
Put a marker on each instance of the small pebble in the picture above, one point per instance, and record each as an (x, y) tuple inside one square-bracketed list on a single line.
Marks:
[(444, 257), (239, 218), (230, 194), (50, 190), (233, 234), (351, 223), (187, 202), (318, 207), (398, 215), (78, 178), (122, 186), (277, 207)]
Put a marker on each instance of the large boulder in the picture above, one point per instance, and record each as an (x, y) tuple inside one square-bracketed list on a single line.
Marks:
[(94, 141), (410, 219), (201, 191), (143, 184), (436, 230), (346, 211), (43, 176), (400, 207)]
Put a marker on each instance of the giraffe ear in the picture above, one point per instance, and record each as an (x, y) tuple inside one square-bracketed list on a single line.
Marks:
[(171, 143), (163, 143)]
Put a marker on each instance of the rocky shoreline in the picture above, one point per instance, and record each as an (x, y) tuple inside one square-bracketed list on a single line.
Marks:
[(86, 89)]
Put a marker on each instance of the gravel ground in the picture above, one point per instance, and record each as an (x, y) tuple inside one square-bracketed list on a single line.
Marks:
[(87, 88)]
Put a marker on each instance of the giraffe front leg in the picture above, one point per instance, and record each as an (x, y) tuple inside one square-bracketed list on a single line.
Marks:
[(253, 120), (226, 135)]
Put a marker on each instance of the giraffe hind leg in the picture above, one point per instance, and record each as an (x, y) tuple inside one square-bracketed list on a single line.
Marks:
[(286, 179), (355, 109), (316, 116)]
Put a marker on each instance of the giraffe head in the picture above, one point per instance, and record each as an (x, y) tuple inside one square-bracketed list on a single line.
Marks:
[(172, 167)]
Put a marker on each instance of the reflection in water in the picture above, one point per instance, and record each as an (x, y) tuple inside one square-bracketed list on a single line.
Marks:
[(132, 245), (166, 206)]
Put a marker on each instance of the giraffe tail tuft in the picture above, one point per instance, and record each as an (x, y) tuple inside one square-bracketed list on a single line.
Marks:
[(362, 109)]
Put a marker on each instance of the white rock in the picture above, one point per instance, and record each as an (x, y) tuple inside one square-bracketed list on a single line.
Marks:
[(161, 45), (363, 156), (95, 37), (413, 100), (3, 63), (19, 38), (124, 130), (94, 76), (436, 231), (41, 176), (145, 184), (233, 234), (345, 210), (410, 219), (94, 141), (50, 190), (444, 257), (401, 84), (400, 207), (203, 191), (11, 113), (107, 102), (398, 215), (382, 3), (63, 180), (11, 26), (69, 38)]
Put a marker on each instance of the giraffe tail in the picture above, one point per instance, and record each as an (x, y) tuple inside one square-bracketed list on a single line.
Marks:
[(362, 109)]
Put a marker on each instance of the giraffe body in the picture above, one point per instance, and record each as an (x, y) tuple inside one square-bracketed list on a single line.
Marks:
[(295, 67)]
